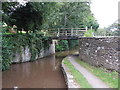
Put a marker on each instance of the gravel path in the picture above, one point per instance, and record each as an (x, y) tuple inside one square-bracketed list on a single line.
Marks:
[(93, 80)]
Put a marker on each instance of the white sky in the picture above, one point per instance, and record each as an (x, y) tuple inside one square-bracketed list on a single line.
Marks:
[(105, 11)]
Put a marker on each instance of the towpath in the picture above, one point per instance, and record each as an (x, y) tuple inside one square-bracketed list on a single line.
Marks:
[(92, 79)]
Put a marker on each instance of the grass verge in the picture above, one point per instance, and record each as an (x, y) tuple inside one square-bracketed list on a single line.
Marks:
[(110, 78), (79, 78)]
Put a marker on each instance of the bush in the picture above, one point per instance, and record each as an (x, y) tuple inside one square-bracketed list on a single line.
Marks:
[(66, 44), (73, 44), (89, 33), (62, 45)]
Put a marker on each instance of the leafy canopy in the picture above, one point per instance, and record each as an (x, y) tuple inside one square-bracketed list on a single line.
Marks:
[(36, 15)]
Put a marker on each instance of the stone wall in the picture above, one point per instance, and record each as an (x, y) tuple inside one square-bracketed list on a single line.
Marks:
[(100, 51), (25, 54)]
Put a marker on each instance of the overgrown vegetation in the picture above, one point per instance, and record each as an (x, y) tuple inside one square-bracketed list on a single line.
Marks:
[(89, 33), (66, 45), (12, 43), (81, 80), (62, 45), (109, 77)]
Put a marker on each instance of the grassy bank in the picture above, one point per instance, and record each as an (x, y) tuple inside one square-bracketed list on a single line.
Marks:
[(109, 77), (79, 78)]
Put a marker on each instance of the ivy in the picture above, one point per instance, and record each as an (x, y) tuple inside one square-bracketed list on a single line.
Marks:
[(12, 43)]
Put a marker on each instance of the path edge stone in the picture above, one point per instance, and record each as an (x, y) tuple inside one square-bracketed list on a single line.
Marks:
[(67, 77), (64, 73)]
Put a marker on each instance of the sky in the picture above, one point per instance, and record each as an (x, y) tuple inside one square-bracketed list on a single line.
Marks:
[(105, 11)]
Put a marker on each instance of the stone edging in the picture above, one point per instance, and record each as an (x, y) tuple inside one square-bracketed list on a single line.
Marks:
[(70, 82)]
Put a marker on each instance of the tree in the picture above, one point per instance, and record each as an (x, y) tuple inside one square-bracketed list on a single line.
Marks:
[(27, 17), (7, 9), (113, 29), (36, 15), (76, 14)]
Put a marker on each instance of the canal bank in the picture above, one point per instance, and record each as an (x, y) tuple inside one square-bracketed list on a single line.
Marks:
[(87, 76)]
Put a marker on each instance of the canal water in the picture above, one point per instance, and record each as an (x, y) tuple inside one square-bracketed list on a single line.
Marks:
[(42, 73)]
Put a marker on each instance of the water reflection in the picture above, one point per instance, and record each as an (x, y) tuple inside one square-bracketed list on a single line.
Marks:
[(43, 73)]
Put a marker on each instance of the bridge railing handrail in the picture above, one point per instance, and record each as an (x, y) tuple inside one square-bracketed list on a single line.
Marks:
[(64, 31)]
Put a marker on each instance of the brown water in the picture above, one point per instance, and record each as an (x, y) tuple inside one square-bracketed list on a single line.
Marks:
[(43, 73)]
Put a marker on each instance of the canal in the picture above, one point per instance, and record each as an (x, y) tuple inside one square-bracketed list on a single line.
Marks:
[(42, 73)]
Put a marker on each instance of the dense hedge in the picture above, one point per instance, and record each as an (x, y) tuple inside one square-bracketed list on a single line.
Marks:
[(12, 43)]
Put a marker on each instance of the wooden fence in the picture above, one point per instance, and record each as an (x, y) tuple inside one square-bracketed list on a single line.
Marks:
[(64, 32)]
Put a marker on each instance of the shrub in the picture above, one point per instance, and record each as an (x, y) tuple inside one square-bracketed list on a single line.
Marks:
[(62, 45), (89, 33)]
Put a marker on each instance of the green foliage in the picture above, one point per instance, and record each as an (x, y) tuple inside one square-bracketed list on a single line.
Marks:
[(89, 33), (8, 8), (92, 22), (46, 15), (106, 32), (76, 14), (73, 44), (27, 17), (6, 51), (62, 45), (112, 30), (100, 32), (13, 43)]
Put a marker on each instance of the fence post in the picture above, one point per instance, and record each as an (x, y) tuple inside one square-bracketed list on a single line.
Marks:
[(66, 32), (86, 28), (58, 32), (71, 31), (76, 31), (91, 27), (44, 33)]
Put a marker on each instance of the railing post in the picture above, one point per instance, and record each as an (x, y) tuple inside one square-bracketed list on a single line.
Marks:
[(58, 34), (76, 32), (91, 27), (86, 28), (71, 31), (66, 32), (44, 33)]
